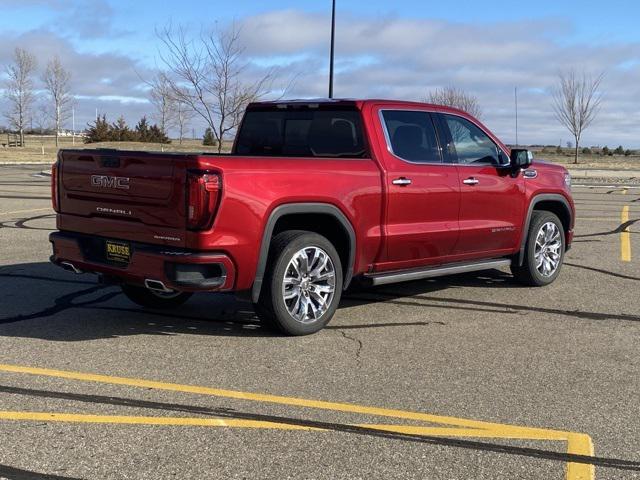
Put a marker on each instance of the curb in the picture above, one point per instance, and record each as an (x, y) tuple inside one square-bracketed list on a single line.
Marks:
[(13, 164), (595, 173)]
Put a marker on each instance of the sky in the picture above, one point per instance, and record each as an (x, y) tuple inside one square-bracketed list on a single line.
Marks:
[(396, 50)]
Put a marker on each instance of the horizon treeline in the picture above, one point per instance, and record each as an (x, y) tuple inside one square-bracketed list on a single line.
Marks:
[(103, 131)]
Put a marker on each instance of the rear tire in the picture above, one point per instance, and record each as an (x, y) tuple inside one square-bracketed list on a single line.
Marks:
[(150, 299), (544, 251), (302, 284)]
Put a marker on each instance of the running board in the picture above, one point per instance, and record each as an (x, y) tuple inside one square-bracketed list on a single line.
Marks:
[(409, 275)]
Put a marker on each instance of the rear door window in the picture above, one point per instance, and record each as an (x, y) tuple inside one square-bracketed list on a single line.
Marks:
[(412, 136), (302, 132)]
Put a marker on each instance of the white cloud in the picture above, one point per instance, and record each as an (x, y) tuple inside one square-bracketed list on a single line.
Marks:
[(109, 82), (382, 57), (407, 57)]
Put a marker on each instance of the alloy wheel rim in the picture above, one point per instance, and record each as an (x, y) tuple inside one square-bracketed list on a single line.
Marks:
[(309, 284), (548, 251)]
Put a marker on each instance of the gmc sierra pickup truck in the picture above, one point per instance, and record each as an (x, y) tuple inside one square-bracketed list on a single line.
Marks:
[(314, 196)]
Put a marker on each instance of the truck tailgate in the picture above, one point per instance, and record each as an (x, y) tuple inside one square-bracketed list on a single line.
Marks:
[(133, 194)]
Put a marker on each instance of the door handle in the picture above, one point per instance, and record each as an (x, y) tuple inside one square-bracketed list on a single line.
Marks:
[(471, 181), (402, 181)]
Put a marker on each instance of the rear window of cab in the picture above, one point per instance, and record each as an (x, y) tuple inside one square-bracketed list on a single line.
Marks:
[(334, 132)]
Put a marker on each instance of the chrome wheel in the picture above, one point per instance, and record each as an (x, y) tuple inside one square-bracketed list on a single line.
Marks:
[(548, 251), (309, 284)]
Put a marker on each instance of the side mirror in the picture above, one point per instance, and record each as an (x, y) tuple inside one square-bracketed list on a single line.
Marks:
[(521, 159)]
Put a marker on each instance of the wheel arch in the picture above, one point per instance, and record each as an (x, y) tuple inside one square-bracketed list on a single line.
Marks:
[(551, 202), (288, 213)]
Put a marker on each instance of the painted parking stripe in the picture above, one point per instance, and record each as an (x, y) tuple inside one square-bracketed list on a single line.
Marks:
[(577, 443), (267, 398), (617, 187), (523, 434), (141, 420), (26, 211), (625, 236)]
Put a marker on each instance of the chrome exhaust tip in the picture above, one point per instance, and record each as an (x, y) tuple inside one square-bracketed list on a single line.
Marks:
[(71, 267), (156, 286)]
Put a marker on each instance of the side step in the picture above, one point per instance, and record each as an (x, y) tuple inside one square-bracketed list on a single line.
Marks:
[(415, 274)]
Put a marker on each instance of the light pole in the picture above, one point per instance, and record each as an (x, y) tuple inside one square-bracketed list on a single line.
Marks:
[(333, 41), (517, 117)]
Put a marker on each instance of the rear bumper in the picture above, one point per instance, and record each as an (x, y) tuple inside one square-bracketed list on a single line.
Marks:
[(177, 269)]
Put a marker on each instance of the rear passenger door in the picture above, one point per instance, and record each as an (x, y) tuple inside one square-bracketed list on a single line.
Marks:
[(492, 200), (423, 193)]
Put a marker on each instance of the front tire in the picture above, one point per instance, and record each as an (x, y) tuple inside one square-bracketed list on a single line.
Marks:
[(544, 251), (302, 285), (150, 299)]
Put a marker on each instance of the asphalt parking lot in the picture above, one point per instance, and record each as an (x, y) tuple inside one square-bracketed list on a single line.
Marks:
[(465, 377)]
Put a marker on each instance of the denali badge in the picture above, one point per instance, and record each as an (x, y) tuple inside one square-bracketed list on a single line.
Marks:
[(105, 181), (113, 211)]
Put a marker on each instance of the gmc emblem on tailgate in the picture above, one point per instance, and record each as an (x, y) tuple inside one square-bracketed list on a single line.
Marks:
[(105, 181)]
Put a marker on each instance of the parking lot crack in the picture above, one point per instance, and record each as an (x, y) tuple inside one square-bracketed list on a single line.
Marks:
[(356, 340)]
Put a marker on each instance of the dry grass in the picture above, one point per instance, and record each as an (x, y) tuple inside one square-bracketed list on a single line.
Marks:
[(43, 150), (614, 162)]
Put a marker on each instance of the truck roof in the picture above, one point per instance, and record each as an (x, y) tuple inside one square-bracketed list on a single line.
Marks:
[(354, 102)]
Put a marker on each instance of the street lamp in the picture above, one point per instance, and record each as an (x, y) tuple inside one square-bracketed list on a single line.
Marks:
[(517, 117), (333, 41)]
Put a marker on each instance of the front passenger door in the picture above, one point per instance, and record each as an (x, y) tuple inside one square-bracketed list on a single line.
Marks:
[(491, 200)]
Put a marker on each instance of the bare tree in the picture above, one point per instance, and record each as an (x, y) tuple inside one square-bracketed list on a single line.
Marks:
[(184, 115), (208, 75), (19, 90), (164, 101), (576, 103), (57, 82), (457, 98), (41, 116)]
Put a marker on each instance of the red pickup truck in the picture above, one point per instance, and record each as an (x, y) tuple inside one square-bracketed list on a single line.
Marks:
[(315, 195)]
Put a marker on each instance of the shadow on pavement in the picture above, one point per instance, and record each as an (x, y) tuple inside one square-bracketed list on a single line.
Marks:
[(11, 473), (39, 300), (413, 296)]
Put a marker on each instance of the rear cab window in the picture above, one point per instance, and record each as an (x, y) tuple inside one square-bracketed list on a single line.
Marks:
[(305, 130), (411, 135)]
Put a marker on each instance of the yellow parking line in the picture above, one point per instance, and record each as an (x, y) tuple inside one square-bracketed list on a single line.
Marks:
[(257, 397), (243, 423), (129, 420), (625, 237), (25, 211), (577, 443), (599, 219), (266, 398), (580, 444)]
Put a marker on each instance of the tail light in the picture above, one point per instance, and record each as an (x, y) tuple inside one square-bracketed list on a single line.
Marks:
[(54, 188), (202, 200)]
